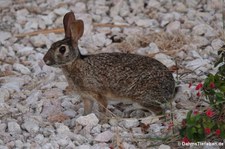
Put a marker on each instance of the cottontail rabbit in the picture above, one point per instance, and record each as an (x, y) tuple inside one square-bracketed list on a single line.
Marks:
[(109, 76)]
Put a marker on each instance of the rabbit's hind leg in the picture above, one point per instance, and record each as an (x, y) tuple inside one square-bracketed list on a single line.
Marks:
[(102, 105)]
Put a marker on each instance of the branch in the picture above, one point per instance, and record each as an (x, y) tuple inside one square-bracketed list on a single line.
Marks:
[(61, 30)]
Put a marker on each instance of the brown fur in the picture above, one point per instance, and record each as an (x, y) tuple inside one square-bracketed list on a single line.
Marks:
[(111, 76)]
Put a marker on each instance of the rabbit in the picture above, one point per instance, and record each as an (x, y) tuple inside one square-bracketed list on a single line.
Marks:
[(109, 76)]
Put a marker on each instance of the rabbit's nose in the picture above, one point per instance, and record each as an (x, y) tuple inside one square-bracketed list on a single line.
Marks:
[(48, 60)]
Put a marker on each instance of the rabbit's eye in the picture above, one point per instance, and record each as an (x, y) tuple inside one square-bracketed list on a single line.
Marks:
[(62, 49)]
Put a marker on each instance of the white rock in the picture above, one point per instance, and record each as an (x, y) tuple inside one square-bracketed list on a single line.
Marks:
[(149, 120), (62, 140), (180, 7), (62, 129), (4, 108), (3, 52), (13, 84), (71, 145), (143, 51), (96, 129), (156, 128), (79, 139), (113, 122), (90, 119), (70, 113), (3, 147), (22, 108), (83, 51), (104, 136), (80, 7), (60, 11), (41, 23), (204, 29), (129, 123), (165, 59), (4, 95), (11, 52), (100, 146), (67, 104), (192, 3), (48, 19), (173, 27), (217, 44), (21, 68), (166, 18), (22, 12), (137, 131), (105, 126), (40, 40), (153, 48), (119, 21), (33, 98), (100, 40), (14, 128), (200, 41), (197, 63), (5, 3), (39, 138), (2, 128), (153, 4), (163, 23), (48, 146), (114, 11), (4, 36), (128, 146), (177, 16), (194, 54), (147, 22), (25, 51), (101, 10), (183, 95), (125, 10), (188, 24), (163, 146), (31, 24), (19, 144), (133, 31), (84, 146), (31, 125), (208, 51), (136, 5)]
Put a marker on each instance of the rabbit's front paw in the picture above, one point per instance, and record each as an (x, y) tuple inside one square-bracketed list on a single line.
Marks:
[(68, 90)]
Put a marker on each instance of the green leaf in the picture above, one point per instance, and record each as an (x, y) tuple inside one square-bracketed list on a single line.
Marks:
[(219, 96), (201, 137), (189, 117), (182, 132), (197, 118), (222, 135), (189, 133), (222, 89), (193, 130), (200, 130)]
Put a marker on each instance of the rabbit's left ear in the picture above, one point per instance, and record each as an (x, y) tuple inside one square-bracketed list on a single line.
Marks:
[(67, 21), (77, 30)]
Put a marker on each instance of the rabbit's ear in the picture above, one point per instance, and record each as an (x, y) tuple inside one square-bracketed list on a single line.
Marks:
[(67, 21), (77, 30)]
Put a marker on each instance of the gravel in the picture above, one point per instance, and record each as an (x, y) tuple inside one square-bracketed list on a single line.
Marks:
[(36, 112)]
